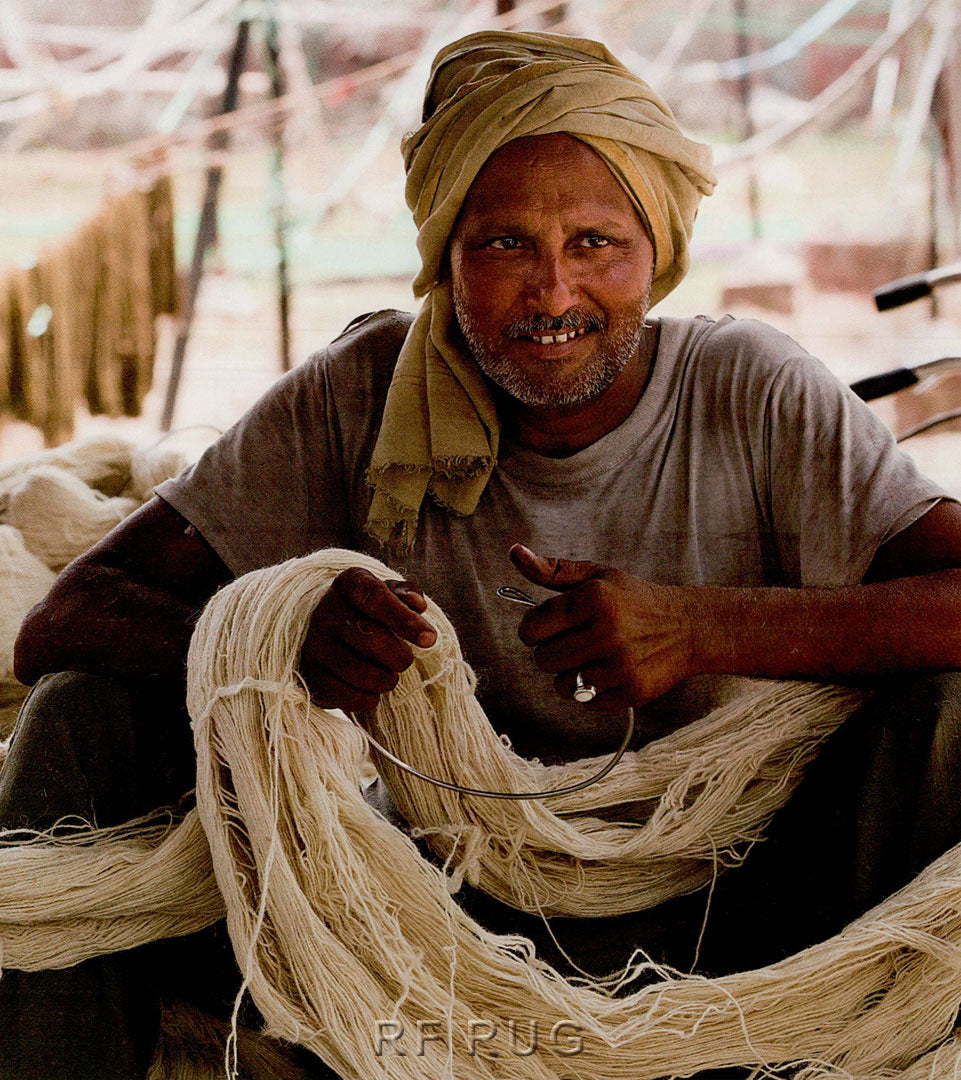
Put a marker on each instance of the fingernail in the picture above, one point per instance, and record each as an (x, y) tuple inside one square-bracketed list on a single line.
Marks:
[(522, 549), (426, 638)]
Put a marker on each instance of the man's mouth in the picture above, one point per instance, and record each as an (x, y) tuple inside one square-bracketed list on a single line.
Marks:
[(557, 339), (559, 330)]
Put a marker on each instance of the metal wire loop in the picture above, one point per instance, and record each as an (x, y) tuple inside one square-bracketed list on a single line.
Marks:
[(516, 795)]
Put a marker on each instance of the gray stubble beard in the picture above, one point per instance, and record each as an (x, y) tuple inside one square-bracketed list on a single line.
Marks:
[(584, 385)]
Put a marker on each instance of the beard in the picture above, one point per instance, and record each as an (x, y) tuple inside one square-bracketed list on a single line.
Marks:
[(538, 384)]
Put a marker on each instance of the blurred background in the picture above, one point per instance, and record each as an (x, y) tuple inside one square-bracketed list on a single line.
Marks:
[(197, 194)]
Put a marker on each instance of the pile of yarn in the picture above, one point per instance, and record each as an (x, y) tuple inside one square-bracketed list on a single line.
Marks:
[(53, 507)]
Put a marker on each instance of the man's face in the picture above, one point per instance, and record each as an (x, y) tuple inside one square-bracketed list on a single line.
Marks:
[(551, 270)]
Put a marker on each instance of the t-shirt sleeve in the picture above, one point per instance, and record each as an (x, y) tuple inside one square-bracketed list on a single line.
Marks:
[(271, 488), (839, 484)]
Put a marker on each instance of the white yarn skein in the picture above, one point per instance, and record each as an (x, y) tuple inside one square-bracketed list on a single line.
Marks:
[(153, 466), (341, 925), (103, 462), (59, 516), (24, 581)]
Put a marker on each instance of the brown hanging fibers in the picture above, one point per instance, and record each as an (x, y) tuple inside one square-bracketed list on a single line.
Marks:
[(80, 321), (345, 932)]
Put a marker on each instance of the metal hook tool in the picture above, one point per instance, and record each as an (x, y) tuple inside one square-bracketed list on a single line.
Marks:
[(583, 691)]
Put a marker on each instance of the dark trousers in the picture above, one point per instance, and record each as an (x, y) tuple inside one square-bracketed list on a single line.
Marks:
[(101, 751), (881, 801)]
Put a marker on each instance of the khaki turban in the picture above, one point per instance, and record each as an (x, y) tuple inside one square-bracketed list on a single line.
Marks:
[(440, 430)]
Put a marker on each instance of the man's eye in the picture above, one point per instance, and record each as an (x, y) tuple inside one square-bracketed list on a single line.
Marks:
[(594, 241), (504, 243)]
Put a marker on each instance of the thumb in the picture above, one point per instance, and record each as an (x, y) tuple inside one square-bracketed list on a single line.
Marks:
[(552, 573)]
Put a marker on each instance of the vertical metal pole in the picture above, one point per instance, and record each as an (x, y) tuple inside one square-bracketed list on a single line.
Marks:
[(934, 158), (278, 191), (744, 88), (207, 228)]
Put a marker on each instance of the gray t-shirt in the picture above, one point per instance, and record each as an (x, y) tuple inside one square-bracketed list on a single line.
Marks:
[(744, 463)]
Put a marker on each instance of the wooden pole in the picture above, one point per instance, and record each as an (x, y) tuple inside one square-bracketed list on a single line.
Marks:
[(207, 227), (278, 188), (744, 88), (934, 160)]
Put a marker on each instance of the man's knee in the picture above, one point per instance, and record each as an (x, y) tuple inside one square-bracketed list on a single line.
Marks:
[(933, 694), (909, 794), (91, 747), (936, 823), (71, 704), (915, 727), (94, 1020)]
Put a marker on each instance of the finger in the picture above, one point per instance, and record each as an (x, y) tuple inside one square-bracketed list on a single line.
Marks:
[(556, 616), (610, 698), (356, 670), (552, 573), (571, 649), (410, 592), (370, 596), (375, 642), (329, 692)]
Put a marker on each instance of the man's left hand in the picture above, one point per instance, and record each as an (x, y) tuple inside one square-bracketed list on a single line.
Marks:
[(629, 638)]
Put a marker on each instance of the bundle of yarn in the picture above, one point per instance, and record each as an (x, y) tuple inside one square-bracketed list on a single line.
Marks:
[(79, 323), (53, 507), (342, 927)]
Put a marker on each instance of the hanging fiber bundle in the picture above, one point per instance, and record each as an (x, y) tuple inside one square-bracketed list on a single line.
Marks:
[(81, 319), (163, 255), (89, 287), (139, 343), (59, 516), (42, 376), (115, 268), (103, 392), (62, 382), (28, 360), (124, 327)]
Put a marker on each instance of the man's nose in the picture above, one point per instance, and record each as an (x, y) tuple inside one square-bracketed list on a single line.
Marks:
[(553, 286)]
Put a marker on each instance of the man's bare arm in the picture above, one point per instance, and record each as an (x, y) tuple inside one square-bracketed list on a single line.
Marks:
[(905, 617), (635, 640), (127, 606)]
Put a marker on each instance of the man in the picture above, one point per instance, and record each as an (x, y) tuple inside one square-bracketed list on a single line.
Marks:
[(690, 499)]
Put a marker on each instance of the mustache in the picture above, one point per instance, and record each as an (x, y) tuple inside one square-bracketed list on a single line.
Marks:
[(573, 319)]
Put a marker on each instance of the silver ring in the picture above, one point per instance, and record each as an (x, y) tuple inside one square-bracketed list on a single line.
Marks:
[(583, 692)]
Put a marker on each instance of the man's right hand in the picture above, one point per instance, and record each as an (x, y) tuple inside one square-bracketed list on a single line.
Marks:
[(359, 639)]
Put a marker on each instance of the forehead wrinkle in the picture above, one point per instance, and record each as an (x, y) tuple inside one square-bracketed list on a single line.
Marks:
[(555, 174)]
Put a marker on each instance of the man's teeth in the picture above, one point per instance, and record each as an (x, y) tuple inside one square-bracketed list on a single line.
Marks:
[(559, 339)]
